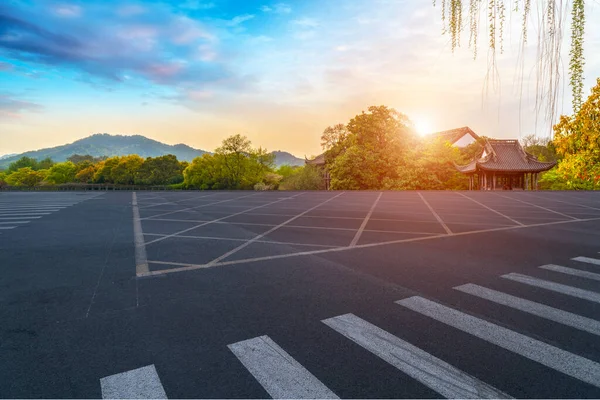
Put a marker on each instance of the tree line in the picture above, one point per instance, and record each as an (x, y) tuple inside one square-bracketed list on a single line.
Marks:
[(234, 165), (375, 150)]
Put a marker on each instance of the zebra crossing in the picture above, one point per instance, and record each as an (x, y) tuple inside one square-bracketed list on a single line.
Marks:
[(283, 377), (18, 209)]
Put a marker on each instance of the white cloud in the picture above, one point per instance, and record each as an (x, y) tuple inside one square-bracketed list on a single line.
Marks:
[(68, 10), (240, 19), (279, 8), (197, 5)]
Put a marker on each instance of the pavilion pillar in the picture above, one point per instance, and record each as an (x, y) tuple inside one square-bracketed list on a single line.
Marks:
[(494, 182)]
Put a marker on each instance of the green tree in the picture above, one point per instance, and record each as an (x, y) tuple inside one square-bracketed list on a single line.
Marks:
[(372, 151), (46, 163), (124, 173), (206, 172), (233, 154), (3, 176), (86, 175), (23, 162), (26, 177), (62, 173), (307, 177), (164, 170), (104, 169), (577, 143)]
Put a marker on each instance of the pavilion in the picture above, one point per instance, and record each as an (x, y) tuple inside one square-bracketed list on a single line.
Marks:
[(504, 164)]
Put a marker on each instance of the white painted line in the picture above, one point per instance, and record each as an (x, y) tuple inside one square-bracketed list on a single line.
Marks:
[(174, 202), (552, 357), (141, 260), (14, 222), (200, 206), (535, 205), (277, 372), (219, 219), (141, 383), (364, 223), (588, 260), (531, 307), (555, 287), (448, 231), (5, 218), (258, 237), (566, 202), (491, 209), (434, 373), (191, 267), (572, 271), (7, 227), (19, 214), (243, 240)]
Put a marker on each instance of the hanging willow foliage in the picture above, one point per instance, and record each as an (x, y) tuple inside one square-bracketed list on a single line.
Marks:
[(549, 34)]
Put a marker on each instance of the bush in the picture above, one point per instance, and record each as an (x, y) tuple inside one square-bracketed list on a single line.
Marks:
[(308, 177)]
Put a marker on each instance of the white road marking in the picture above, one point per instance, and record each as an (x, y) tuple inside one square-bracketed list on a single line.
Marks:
[(141, 260), (552, 357), (141, 383), (566, 202), (191, 267), (555, 287), (219, 219), (588, 260), (243, 240), (365, 221), (491, 209), (14, 222), (258, 237), (531, 307), (5, 218), (572, 271), (22, 214), (535, 205), (434, 373), (7, 227), (277, 372), (435, 214)]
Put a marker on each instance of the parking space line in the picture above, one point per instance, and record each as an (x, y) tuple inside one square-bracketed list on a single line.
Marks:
[(177, 201), (240, 247), (531, 307), (553, 286), (141, 260), (535, 205), (191, 267), (365, 221), (222, 218), (566, 202), (200, 206), (10, 218), (141, 383), (552, 357), (243, 240), (277, 372), (7, 227), (448, 231), (491, 209), (588, 260), (432, 372)]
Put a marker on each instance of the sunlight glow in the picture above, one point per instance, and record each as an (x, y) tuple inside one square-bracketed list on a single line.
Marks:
[(422, 126)]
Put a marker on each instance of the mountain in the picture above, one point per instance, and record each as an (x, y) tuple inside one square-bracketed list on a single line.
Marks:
[(6, 156), (99, 145), (285, 158)]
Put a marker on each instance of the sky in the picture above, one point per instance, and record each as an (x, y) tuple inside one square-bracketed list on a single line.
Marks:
[(198, 71)]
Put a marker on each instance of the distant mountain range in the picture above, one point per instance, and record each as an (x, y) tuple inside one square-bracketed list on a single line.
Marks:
[(103, 144)]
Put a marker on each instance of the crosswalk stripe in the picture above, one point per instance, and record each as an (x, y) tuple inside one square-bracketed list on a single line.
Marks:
[(588, 260), (141, 383), (555, 287), (552, 357), (277, 372), (531, 307), (434, 373), (572, 271)]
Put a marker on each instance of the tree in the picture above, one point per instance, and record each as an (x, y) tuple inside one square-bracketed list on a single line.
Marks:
[(205, 173), (104, 170), (372, 151), (23, 162), (124, 173), (78, 159), (307, 177), (541, 148), (3, 176), (164, 170), (549, 36), (26, 177), (233, 153), (62, 173), (46, 163), (86, 175), (577, 143)]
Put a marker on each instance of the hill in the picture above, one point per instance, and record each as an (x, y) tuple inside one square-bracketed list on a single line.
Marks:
[(103, 144), (285, 158), (99, 145)]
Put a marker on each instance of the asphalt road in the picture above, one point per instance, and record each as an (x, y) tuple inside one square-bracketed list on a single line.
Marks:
[(289, 294)]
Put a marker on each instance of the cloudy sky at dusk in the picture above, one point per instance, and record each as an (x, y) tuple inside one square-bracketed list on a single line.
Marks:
[(278, 72)]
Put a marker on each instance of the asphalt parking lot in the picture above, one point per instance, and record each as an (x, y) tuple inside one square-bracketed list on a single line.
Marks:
[(300, 294)]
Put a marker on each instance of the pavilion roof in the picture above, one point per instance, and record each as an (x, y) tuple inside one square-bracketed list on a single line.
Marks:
[(505, 156), (454, 135), (318, 160)]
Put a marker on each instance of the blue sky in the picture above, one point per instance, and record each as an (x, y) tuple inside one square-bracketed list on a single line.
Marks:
[(278, 72)]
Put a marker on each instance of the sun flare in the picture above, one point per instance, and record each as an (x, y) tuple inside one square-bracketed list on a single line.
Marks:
[(423, 126)]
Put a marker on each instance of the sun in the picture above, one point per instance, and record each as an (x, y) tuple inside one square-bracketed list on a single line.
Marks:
[(423, 126)]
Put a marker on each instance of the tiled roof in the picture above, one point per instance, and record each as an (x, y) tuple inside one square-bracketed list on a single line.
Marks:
[(454, 135), (318, 160), (507, 156)]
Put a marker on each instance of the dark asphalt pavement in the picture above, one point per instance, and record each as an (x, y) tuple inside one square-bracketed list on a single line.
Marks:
[(78, 303)]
